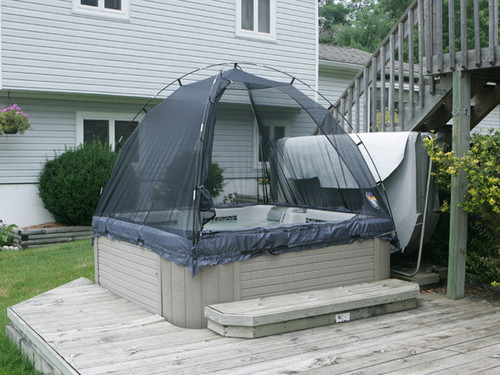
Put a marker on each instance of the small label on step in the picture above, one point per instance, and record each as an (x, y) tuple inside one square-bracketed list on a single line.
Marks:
[(345, 317)]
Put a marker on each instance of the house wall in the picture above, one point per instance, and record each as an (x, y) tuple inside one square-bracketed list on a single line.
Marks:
[(235, 146), (48, 47), (54, 62), (333, 82), (53, 128), (21, 205), (490, 122)]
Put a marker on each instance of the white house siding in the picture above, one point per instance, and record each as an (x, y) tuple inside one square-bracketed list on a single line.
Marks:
[(333, 82), (235, 146), (56, 62), (490, 122), (52, 130), (46, 47)]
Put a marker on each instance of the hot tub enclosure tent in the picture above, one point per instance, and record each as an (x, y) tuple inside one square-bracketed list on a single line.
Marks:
[(156, 195)]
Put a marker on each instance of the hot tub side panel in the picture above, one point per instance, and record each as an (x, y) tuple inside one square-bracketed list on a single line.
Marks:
[(128, 270), (184, 297), (311, 269), (181, 298)]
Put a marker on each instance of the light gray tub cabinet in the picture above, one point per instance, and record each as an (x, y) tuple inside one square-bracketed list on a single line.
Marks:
[(169, 290)]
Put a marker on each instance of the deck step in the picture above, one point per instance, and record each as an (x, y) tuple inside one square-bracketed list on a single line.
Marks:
[(291, 312)]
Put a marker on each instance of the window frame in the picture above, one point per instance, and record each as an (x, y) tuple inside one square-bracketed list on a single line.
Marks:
[(256, 141), (101, 11), (255, 34), (104, 116)]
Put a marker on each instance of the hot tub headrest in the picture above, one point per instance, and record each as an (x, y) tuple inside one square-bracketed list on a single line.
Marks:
[(276, 214)]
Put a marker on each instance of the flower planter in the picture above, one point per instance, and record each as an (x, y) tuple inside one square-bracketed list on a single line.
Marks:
[(13, 120)]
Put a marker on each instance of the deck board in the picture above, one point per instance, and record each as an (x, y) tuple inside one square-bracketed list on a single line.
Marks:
[(440, 335)]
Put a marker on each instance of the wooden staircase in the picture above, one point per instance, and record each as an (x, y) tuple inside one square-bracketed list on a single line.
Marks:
[(407, 83)]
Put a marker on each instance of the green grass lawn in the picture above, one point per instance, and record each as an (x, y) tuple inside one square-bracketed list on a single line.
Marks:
[(25, 274)]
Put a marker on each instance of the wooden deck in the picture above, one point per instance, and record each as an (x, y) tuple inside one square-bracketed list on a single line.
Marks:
[(86, 329)]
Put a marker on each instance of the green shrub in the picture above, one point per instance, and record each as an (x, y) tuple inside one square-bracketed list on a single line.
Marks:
[(436, 249), (70, 184), (481, 166), (215, 180), (483, 249), (5, 233)]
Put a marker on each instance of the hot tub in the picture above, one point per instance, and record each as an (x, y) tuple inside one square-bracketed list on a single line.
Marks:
[(170, 290), (246, 217)]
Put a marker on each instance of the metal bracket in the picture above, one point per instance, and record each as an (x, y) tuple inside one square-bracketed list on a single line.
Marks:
[(456, 112)]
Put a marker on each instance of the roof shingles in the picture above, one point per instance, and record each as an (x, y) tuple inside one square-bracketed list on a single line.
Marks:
[(343, 54)]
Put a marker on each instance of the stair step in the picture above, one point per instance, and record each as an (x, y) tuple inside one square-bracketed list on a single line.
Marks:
[(291, 312), (421, 278)]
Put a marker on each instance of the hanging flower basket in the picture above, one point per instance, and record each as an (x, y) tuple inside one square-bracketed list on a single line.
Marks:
[(13, 120)]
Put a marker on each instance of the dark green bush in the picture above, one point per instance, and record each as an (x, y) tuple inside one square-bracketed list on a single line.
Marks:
[(483, 249), (215, 180), (481, 166), (436, 249), (70, 184)]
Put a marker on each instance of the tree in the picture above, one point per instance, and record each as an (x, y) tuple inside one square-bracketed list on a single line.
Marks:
[(331, 15), (483, 24), (361, 24)]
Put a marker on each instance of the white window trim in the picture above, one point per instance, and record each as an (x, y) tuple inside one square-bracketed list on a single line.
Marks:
[(100, 11), (256, 163), (106, 116), (254, 34)]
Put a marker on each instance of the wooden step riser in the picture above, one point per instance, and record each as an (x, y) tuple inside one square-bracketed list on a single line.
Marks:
[(289, 312), (309, 322)]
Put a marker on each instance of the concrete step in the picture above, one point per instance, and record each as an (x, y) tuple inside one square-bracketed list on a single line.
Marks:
[(291, 312), (421, 278)]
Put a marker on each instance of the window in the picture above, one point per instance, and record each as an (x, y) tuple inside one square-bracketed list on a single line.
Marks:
[(274, 133), (106, 8), (256, 19), (104, 128)]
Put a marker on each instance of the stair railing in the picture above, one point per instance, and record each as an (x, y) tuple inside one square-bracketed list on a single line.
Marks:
[(390, 91)]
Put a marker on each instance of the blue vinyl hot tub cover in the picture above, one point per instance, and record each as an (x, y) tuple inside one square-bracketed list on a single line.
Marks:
[(156, 195)]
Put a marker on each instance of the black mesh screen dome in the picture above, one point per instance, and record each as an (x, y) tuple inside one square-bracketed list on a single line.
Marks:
[(293, 178)]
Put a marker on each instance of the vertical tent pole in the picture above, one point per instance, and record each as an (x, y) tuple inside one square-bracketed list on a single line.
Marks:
[(458, 217)]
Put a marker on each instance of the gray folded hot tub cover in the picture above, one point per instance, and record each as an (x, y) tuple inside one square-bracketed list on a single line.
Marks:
[(156, 195)]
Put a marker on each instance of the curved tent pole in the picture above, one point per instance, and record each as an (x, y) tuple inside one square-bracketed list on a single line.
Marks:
[(119, 144), (331, 106), (293, 79), (196, 195), (177, 80)]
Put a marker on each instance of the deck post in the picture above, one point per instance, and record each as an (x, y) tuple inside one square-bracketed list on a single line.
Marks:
[(458, 217)]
